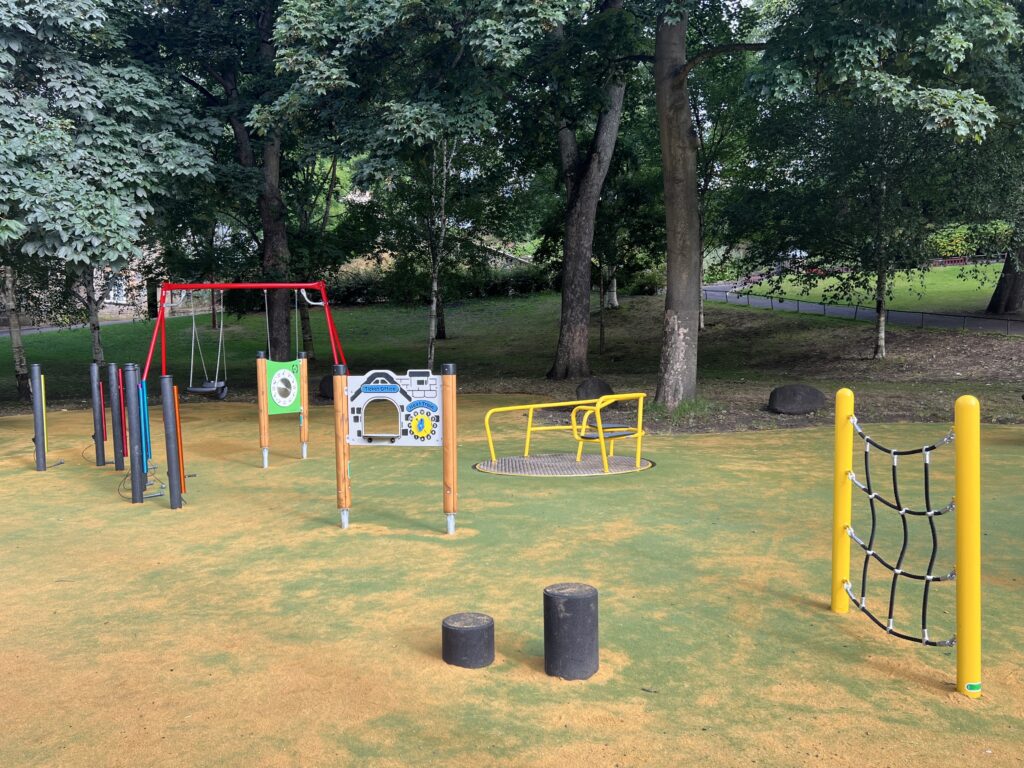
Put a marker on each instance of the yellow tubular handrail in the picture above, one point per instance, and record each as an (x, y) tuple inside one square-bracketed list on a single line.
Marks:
[(577, 427)]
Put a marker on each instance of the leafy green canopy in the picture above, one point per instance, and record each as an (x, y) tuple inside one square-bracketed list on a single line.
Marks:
[(395, 75), (930, 56), (86, 142), (852, 191)]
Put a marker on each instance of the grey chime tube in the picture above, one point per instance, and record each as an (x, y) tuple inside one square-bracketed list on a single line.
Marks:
[(135, 448), (97, 414), (116, 423), (38, 415), (171, 440)]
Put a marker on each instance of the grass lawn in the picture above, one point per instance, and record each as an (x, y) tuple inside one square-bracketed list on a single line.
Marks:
[(506, 345), (248, 629), (941, 289), (491, 338)]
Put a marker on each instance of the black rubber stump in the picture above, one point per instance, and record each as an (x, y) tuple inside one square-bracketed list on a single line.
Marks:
[(467, 640), (570, 631)]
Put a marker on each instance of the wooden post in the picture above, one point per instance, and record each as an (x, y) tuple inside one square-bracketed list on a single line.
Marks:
[(261, 398), (449, 437), (341, 445), (304, 395)]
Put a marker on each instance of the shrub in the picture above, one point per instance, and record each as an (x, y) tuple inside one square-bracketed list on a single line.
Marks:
[(404, 283), (646, 283), (965, 241), (356, 285)]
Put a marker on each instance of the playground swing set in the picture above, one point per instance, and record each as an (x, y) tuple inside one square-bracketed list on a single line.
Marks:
[(425, 404), (216, 387)]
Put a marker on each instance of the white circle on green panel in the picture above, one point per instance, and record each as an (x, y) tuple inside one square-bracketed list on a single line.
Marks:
[(284, 388)]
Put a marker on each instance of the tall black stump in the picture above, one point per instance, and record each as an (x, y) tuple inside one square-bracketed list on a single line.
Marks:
[(467, 640), (570, 631)]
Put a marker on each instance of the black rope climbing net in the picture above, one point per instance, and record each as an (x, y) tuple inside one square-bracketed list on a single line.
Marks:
[(896, 505)]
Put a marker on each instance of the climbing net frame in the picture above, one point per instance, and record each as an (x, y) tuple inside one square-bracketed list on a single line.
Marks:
[(965, 507)]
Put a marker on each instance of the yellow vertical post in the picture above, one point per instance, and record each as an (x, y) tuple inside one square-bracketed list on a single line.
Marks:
[(639, 428), (342, 447), (449, 445), (842, 489), (304, 401), (261, 401), (967, 426)]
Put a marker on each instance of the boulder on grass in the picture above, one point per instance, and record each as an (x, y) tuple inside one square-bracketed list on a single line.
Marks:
[(796, 399), (326, 388), (593, 388)]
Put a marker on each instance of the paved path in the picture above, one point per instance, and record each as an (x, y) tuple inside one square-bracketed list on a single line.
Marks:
[(729, 293)]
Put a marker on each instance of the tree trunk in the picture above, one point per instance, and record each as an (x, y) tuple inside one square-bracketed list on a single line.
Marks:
[(432, 321), (307, 330), (584, 178), (677, 377), (152, 300), (700, 323), (1008, 296), (92, 306), (441, 331), (275, 247), (881, 287), (583, 193), (17, 345), (611, 300), (213, 310), (600, 313)]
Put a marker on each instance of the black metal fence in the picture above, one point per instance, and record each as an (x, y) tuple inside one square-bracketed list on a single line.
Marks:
[(1005, 326)]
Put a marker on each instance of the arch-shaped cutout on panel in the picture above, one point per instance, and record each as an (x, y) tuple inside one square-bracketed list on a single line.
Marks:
[(381, 419)]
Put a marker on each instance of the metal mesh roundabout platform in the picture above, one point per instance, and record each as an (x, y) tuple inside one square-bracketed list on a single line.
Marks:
[(561, 465)]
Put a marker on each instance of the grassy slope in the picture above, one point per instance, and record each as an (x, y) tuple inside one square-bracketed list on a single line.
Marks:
[(506, 345), (942, 290), (493, 337)]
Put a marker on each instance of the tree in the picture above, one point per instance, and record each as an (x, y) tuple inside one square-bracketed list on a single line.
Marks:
[(584, 172), (426, 214), (13, 309), (629, 233), (723, 29), (88, 141), (316, 190), (852, 191), (1008, 296), (910, 56), (411, 88), (226, 54)]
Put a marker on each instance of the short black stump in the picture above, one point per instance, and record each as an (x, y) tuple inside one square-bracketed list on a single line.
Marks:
[(570, 631), (467, 640)]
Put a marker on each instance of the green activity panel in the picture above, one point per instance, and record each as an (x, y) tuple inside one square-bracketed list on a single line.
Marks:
[(284, 387)]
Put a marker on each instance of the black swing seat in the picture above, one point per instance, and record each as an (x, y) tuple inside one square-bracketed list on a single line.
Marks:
[(217, 389)]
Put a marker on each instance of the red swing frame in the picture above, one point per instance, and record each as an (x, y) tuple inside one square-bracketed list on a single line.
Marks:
[(160, 329)]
